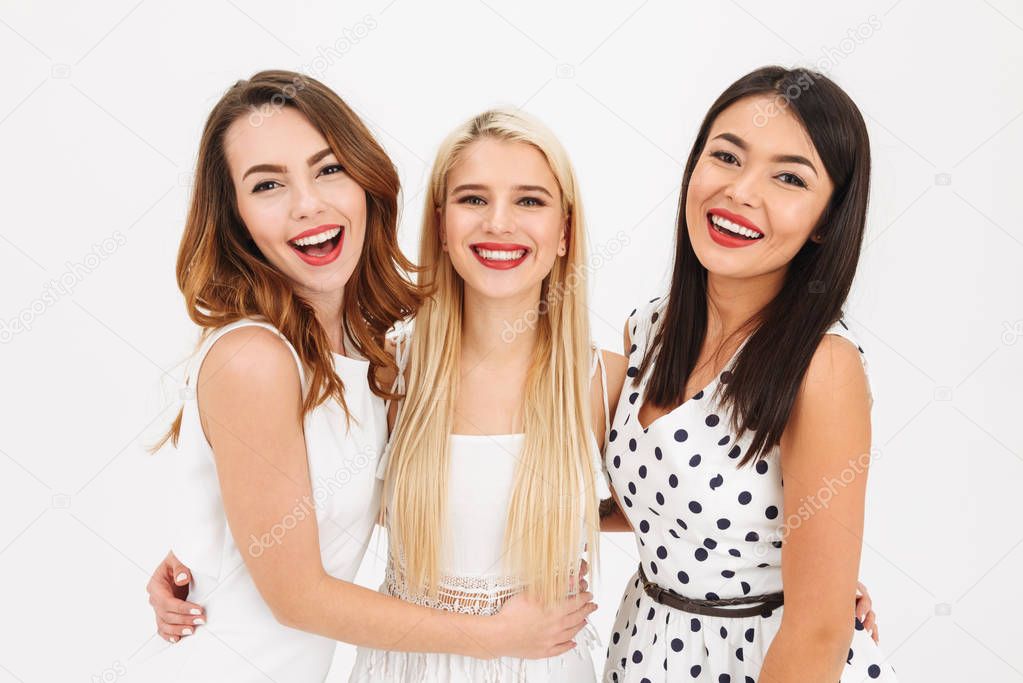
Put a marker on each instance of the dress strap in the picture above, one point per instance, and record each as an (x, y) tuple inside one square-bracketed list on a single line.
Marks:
[(598, 361), (401, 336), (601, 477)]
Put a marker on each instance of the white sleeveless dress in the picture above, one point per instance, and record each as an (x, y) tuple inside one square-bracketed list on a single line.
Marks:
[(242, 641), (705, 529), (476, 581)]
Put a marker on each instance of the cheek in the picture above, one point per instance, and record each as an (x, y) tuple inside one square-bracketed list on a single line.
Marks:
[(260, 220), (794, 221), (458, 224)]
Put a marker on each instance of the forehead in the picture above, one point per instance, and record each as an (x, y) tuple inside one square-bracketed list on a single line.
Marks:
[(274, 137), (767, 126), (502, 163)]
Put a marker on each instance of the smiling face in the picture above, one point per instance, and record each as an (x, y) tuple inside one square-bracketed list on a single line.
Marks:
[(502, 221), (306, 215), (756, 193)]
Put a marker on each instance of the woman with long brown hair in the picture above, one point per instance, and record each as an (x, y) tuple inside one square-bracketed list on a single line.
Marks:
[(289, 265)]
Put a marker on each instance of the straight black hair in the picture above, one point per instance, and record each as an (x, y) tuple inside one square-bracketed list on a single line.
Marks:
[(769, 369)]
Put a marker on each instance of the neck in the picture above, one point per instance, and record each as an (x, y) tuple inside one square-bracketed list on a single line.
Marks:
[(732, 302), (499, 331), (327, 307)]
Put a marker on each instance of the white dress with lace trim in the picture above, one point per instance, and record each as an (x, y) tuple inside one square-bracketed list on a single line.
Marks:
[(475, 578)]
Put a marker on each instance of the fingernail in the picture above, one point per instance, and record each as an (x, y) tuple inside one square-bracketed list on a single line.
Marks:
[(181, 577), (186, 632), (174, 639), (195, 611), (198, 622)]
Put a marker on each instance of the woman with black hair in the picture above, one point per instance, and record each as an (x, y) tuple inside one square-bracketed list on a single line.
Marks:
[(744, 372)]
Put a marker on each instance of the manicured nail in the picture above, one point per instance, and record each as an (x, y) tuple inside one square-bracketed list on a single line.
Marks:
[(181, 577), (198, 622), (195, 611), (186, 632), (174, 639)]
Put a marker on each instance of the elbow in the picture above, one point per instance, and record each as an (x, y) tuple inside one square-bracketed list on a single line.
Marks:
[(287, 610), (292, 606), (829, 642)]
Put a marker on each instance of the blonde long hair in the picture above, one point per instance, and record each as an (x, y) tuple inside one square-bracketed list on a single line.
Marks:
[(554, 482)]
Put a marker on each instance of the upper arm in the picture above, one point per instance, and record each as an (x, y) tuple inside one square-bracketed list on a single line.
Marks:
[(825, 452), (250, 402), (615, 366)]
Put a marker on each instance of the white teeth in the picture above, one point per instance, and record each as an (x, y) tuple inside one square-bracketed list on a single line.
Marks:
[(317, 239), (502, 255), (733, 227)]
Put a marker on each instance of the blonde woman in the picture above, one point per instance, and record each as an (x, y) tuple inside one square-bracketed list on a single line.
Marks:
[(289, 264), (492, 476)]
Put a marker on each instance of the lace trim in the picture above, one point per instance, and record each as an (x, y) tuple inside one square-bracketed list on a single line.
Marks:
[(479, 595)]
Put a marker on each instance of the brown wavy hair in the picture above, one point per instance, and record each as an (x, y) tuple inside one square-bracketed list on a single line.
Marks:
[(224, 277)]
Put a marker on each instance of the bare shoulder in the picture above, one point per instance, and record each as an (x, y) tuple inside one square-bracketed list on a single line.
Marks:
[(249, 359), (835, 368), (617, 365)]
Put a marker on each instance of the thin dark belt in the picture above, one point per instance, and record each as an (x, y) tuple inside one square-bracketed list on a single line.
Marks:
[(764, 604)]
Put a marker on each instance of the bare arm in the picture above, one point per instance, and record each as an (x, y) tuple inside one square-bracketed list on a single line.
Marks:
[(617, 366), (827, 438), (250, 402)]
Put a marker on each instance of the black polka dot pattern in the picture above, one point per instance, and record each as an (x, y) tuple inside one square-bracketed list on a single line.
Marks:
[(706, 528)]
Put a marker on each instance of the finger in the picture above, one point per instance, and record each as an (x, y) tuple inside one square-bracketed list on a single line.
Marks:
[(863, 606), (582, 598), (584, 585), (169, 631), (560, 648), (180, 619), (862, 590), (870, 621), (877, 634), (182, 575), (584, 568), (570, 632), (171, 605)]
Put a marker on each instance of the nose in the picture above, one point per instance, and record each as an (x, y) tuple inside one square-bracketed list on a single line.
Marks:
[(305, 201), (744, 188), (498, 218)]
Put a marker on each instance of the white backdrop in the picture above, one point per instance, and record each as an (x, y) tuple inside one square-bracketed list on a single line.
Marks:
[(100, 114)]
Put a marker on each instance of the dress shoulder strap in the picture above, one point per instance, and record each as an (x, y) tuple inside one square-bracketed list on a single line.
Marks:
[(600, 474), (401, 336), (598, 362)]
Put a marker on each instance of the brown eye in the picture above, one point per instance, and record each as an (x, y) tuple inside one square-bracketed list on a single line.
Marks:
[(265, 185), (791, 179), (726, 157)]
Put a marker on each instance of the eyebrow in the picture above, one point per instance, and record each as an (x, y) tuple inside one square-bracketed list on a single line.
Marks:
[(518, 188), (779, 158), (274, 168)]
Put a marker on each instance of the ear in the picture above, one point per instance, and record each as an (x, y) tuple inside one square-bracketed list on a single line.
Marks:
[(816, 238), (565, 236)]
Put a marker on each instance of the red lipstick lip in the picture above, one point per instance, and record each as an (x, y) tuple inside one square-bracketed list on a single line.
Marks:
[(315, 231), (737, 219), (327, 258), (727, 240), (499, 246)]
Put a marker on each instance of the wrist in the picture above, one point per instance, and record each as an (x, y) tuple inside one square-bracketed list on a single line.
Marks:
[(485, 636)]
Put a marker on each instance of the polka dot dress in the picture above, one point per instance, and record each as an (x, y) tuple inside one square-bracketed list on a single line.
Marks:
[(705, 529)]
